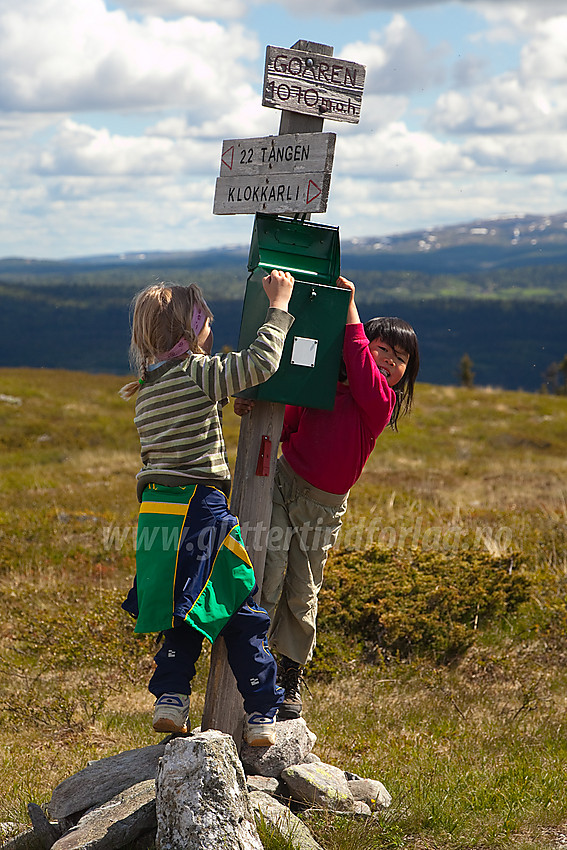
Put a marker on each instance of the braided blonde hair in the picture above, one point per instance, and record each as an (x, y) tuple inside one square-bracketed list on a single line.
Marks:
[(161, 316)]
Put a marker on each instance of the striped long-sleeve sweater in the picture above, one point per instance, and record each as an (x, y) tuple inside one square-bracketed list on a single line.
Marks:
[(179, 408)]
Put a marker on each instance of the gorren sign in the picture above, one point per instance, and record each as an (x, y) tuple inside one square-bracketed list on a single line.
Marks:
[(313, 84)]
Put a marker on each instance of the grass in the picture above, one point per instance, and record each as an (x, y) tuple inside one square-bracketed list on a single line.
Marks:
[(472, 747), (471, 758)]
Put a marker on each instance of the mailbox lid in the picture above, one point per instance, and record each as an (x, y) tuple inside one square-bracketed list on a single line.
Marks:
[(311, 252)]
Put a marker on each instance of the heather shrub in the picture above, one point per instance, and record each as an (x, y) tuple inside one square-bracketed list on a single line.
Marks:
[(380, 604)]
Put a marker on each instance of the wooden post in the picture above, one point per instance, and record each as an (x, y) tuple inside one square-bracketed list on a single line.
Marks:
[(252, 503), (251, 498)]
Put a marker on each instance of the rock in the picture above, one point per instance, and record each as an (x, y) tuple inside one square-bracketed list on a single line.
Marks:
[(192, 792), (268, 784), (10, 399), (147, 841), (118, 822), (371, 792), (102, 780), (201, 800), (67, 823), (290, 827), (47, 832), (294, 742), (361, 808), (27, 840), (350, 775), (319, 784)]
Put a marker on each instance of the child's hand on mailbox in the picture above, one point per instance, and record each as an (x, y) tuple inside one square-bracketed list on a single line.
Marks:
[(278, 286), (242, 406), (352, 315), (346, 284)]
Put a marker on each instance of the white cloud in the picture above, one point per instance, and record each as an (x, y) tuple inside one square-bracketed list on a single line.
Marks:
[(525, 100), (383, 209), (81, 150), (545, 56), (540, 154), (168, 84), (396, 154), (197, 8), (469, 70), (521, 13), (99, 214), (245, 111), (377, 112), (86, 57), (353, 7), (503, 105), (17, 126), (510, 18), (112, 215), (398, 60)]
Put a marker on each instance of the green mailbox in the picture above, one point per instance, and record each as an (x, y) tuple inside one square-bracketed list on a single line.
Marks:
[(309, 367)]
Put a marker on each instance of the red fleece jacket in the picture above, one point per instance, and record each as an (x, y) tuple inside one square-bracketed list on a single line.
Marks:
[(330, 447)]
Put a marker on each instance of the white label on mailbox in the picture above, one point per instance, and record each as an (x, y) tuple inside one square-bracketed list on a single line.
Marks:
[(304, 351)]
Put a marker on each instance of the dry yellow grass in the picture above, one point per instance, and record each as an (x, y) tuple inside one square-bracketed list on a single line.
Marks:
[(471, 468)]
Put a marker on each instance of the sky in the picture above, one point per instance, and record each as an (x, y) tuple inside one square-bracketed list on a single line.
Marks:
[(113, 113)]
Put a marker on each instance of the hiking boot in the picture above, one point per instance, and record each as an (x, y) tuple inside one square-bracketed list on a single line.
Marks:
[(290, 678), (171, 713), (260, 731)]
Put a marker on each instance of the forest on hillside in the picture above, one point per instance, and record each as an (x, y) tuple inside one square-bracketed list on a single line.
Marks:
[(223, 275), (493, 293), (512, 342)]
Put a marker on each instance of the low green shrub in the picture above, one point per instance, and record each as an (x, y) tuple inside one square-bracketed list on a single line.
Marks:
[(378, 604)]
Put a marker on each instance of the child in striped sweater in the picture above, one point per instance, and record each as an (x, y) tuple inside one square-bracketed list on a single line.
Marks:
[(193, 577)]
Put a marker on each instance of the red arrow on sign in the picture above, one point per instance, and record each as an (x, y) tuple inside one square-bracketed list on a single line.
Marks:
[(228, 157), (313, 191)]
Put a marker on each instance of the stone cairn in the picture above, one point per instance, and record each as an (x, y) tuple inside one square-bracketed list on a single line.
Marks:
[(197, 792)]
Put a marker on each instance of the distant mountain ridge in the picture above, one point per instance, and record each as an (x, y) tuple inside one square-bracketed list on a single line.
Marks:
[(476, 246), (503, 231)]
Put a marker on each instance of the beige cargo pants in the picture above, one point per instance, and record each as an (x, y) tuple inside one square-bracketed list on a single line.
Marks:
[(304, 527)]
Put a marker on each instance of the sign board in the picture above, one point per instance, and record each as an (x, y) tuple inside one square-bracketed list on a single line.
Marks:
[(290, 173), (272, 193), (286, 154), (313, 84)]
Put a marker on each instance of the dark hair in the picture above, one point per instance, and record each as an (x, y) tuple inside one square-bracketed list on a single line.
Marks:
[(398, 334)]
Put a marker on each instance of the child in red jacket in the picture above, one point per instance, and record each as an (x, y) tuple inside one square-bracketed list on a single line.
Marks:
[(323, 455)]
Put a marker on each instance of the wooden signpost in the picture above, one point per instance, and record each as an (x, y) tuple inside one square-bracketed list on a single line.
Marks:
[(290, 153), (300, 81), (299, 154), (275, 174), (275, 193)]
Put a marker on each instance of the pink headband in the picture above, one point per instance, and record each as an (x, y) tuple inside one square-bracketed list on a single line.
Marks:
[(182, 347), (198, 320), (179, 349)]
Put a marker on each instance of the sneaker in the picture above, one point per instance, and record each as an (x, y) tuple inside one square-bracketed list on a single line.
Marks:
[(260, 731), (290, 678), (171, 713)]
